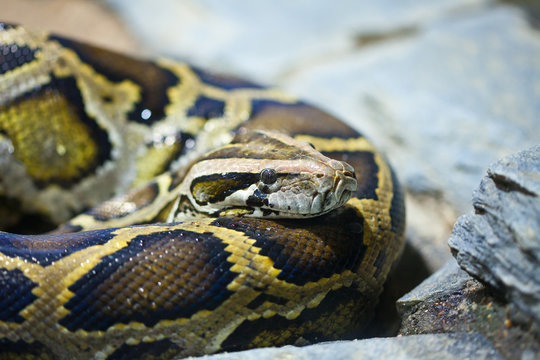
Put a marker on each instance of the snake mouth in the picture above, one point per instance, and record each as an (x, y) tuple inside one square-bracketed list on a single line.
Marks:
[(345, 183), (343, 188), (333, 194)]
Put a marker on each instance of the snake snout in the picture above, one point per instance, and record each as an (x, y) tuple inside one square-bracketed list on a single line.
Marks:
[(343, 167), (345, 183)]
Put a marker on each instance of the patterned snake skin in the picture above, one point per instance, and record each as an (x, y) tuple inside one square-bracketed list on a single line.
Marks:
[(80, 125)]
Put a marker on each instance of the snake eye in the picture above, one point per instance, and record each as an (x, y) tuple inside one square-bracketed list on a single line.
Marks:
[(268, 176)]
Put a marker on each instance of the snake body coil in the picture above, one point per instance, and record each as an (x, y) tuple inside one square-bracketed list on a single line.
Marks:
[(80, 125)]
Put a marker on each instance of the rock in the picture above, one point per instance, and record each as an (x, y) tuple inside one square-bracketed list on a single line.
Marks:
[(451, 301), (445, 346), (448, 280), (499, 243), (429, 99), (265, 41), (410, 271)]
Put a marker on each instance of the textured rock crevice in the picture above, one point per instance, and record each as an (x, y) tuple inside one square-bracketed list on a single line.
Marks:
[(496, 292), (429, 346), (499, 243), (451, 301)]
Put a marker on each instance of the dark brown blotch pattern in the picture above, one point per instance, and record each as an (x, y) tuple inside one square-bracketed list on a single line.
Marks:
[(153, 79), (45, 249), (306, 250), (15, 294), (297, 118), (165, 275)]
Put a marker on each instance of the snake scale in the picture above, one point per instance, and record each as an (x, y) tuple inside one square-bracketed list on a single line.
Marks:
[(202, 225)]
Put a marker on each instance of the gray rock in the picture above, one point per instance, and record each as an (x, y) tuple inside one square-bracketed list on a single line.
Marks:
[(433, 346), (441, 303), (443, 103), (451, 301), (446, 281), (499, 243), (267, 40)]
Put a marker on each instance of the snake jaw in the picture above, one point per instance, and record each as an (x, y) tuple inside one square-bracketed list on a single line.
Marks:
[(344, 180), (343, 189)]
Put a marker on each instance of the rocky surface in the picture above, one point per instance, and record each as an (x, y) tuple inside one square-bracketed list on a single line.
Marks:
[(451, 301), (499, 243), (433, 346)]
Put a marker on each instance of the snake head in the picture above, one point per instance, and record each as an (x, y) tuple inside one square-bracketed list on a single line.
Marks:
[(268, 174)]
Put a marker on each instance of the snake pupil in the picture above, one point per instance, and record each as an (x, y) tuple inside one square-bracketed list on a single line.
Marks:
[(268, 176)]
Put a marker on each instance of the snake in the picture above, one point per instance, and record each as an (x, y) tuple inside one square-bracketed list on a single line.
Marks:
[(152, 209)]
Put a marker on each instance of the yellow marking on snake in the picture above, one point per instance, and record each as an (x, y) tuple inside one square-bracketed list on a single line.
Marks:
[(337, 144)]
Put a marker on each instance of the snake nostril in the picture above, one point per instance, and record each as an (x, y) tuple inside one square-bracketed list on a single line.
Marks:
[(349, 174)]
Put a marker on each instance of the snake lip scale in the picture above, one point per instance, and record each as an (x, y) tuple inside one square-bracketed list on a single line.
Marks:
[(189, 212)]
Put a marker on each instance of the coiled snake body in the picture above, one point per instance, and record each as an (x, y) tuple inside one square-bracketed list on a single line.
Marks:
[(226, 229)]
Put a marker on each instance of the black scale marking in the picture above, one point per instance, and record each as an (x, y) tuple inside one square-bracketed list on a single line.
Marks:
[(15, 294), (13, 56)]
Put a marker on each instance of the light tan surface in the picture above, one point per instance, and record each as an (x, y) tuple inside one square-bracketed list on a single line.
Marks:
[(90, 21)]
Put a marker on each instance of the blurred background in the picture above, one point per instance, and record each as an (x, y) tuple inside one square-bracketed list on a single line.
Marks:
[(443, 88)]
